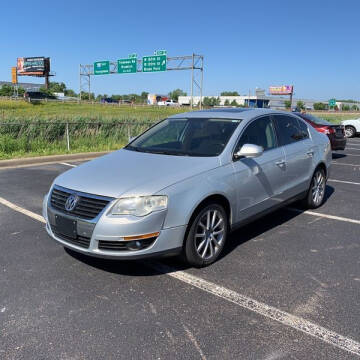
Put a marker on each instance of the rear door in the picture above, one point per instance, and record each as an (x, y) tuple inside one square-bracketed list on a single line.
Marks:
[(260, 180), (293, 135)]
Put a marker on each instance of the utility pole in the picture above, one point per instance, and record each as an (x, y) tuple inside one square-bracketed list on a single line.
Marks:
[(192, 81), (291, 96)]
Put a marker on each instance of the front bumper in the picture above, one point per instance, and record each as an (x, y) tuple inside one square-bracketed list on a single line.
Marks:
[(113, 229)]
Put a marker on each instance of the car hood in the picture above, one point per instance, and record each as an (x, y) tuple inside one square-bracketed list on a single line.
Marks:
[(131, 173)]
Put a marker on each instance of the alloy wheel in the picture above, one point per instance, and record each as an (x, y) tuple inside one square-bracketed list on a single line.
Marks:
[(318, 188), (349, 132), (209, 234)]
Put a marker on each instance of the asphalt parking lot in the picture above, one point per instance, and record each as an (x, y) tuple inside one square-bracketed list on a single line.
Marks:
[(287, 286)]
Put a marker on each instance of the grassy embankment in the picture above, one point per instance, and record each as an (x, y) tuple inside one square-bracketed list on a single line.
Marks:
[(91, 127)]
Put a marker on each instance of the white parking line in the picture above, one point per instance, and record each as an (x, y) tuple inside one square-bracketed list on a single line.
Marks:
[(352, 148), (332, 217), (243, 301), (344, 182), (346, 164), (22, 210), (67, 164), (265, 310)]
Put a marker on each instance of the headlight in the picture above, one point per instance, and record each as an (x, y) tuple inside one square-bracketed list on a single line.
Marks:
[(139, 206)]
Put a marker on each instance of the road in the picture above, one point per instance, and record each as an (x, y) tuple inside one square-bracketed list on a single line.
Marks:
[(286, 287)]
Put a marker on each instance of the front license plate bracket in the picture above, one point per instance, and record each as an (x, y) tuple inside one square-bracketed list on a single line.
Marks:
[(66, 227)]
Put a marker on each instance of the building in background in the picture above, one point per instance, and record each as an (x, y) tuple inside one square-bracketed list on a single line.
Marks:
[(26, 86), (255, 101)]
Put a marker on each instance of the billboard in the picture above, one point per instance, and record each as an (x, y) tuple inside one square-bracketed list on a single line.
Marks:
[(37, 66), (281, 90)]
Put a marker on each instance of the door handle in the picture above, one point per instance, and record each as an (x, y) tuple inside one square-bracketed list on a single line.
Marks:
[(310, 153), (280, 163)]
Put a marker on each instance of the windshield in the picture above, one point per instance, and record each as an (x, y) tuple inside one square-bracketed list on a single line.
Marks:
[(314, 119), (188, 137)]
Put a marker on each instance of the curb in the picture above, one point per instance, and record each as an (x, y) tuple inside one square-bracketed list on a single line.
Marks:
[(41, 160)]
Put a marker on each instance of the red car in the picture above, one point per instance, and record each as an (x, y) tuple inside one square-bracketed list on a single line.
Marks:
[(335, 133)]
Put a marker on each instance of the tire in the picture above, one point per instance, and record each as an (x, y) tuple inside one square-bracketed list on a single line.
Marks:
[(316, 193), (350, 131), (206, 236)]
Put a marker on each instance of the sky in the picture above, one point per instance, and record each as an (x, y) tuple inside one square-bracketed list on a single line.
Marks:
[(314, 45)]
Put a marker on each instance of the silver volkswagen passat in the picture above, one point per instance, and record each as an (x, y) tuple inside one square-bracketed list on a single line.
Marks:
[(185, 183)]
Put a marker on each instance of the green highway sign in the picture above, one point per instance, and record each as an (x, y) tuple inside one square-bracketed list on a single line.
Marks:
[(332, 102), (101, 67), (160, 52), (154, 63), (131, 56), (127, 66)]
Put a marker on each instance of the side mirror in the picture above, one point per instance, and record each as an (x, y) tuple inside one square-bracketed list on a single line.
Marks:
[(249, 151)]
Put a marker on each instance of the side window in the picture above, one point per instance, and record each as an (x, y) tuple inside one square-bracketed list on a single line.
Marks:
[(259, 132), (288, 129), (304, 129)]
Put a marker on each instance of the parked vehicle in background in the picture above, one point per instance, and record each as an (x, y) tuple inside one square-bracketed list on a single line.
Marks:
[(335, 133), (108, 101), (181, 186), (37, 96), (352, 127), (168, 103)]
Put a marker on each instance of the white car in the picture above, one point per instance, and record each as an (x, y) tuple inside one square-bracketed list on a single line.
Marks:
[(352, 127), (168, 103)]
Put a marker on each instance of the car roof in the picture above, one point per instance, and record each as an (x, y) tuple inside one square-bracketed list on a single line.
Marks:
[(228, 113)]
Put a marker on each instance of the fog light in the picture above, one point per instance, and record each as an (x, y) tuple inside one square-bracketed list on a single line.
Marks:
[(134, 245)]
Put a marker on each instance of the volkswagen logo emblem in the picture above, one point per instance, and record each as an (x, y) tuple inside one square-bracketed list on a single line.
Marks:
[(71, 202)]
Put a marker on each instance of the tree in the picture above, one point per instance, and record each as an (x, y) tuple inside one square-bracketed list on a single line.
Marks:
[(319, 106), (234, 103), (287, 104), (300, 105), (345, 108), (355, 108), (229, 93), (6, 90), (211, 101), (206, 101), (70, 92), (57, 87), (85, 96), (227, 102), (174, 95), (144, 95)]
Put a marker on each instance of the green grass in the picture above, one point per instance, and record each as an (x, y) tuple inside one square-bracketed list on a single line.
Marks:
[(336, 118), (33, 130), (21, 111)]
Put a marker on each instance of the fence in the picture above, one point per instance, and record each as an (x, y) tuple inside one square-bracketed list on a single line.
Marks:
[(58, 137)]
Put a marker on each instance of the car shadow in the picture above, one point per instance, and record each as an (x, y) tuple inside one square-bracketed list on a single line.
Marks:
[(338, 156), (164, 265)]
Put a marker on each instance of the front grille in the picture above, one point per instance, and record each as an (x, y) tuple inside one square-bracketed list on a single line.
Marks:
[(87, 207), (125, 245), (81, 241)]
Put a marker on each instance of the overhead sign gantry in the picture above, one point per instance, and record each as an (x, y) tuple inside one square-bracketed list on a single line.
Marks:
[(159, 62)]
